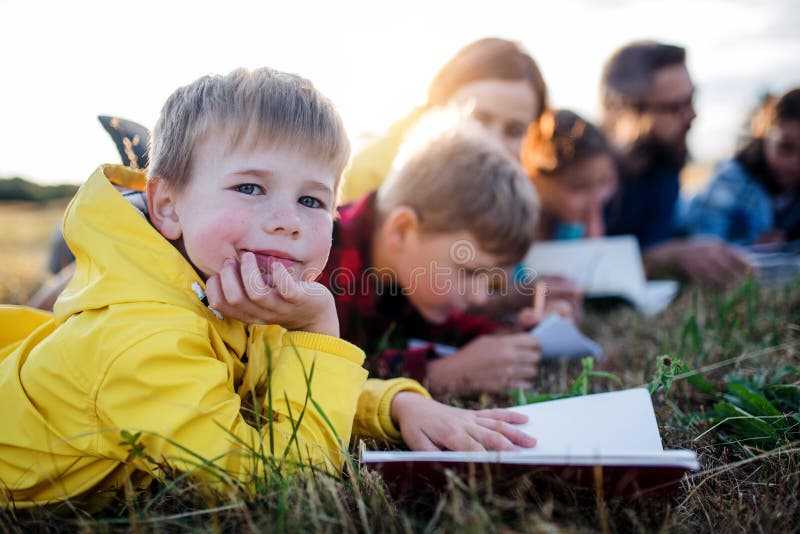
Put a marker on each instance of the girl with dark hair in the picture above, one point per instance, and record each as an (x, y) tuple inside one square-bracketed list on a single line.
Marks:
[(571, 164), (495, 79), (755, 197)]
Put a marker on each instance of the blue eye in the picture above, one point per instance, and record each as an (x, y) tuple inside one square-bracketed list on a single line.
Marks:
[(310, 202), (249, 189)]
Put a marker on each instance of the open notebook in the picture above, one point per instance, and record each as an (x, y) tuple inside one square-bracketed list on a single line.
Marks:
[(616, 430), (604, 267)]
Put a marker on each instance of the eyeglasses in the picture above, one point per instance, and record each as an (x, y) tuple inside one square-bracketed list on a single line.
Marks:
[(671, 108)]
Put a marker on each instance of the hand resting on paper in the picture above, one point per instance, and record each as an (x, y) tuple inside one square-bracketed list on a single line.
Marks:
[(428, 425), (705, 260), (488, 364)]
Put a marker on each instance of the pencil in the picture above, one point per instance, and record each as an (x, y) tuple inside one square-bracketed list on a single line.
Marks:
[(539, 294)]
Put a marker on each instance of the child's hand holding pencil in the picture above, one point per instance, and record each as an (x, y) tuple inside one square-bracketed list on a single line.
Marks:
[(529, 317)]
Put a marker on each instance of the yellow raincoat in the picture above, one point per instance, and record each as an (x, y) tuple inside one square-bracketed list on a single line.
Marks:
[(131, 347)]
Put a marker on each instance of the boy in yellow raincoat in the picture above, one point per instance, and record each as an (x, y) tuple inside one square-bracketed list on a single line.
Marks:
[(243, 171)]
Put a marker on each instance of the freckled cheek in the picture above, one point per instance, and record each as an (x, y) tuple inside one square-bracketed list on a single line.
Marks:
[(318, 236), (222, 233), (231, 225)]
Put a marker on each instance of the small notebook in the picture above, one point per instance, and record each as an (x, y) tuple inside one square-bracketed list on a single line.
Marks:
[(604, 267)]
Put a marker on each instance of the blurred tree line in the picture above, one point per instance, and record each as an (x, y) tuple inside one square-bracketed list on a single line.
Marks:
[(21, 189)]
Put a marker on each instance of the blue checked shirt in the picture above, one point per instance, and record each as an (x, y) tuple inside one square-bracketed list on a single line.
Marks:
[(734, 207)]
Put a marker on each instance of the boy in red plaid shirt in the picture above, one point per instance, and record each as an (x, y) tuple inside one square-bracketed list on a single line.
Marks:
[(407, 261)]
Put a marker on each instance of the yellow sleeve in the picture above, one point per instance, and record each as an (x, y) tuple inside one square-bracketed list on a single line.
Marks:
[(175, 390), (373, 416), (370, 167), (16, 324)]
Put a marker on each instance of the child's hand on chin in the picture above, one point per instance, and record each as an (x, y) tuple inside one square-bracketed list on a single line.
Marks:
[(241, 292), (428, 425)]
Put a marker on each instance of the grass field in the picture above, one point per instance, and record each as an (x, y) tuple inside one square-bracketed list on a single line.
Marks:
[(736, 401), (25, 233)]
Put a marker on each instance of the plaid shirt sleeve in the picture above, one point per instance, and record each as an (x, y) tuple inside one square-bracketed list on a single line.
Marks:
[(459, 330), (464, 328), (410, 363), (734, 207)]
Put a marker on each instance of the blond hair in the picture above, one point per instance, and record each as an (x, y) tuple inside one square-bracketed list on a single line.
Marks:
[(251, 107), (463, 180)]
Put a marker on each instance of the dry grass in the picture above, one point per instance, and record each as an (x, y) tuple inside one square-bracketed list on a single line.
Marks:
[(25, 233)]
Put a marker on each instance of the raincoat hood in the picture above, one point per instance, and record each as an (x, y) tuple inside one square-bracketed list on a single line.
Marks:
[(144, 267)]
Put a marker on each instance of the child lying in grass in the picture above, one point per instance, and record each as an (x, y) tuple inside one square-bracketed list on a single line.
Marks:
[(244, 169)]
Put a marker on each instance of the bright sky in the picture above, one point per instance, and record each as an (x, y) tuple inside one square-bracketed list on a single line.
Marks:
[(64, 63)]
